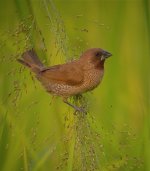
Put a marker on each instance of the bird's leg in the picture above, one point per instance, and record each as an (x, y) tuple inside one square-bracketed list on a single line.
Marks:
[(75, 107)]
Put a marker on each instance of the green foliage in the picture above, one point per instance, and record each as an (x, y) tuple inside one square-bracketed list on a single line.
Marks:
[(39, 132)]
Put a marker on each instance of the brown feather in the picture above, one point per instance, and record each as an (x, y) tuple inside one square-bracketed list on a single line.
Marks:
[(31, 60), (67, 74)]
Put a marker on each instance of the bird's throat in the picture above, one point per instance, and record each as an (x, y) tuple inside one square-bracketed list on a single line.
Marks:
[(100, 65)]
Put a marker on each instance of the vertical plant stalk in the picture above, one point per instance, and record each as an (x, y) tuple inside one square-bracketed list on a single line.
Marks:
[(25, 159), (71, 153)]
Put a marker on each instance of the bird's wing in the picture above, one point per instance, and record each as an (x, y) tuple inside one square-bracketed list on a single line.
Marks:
[(67, 74)]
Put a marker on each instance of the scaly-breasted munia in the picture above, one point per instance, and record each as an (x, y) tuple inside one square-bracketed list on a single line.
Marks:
[(71, 78)]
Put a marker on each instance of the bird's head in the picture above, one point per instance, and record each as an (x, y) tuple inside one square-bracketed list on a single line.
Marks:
[(95, 57)]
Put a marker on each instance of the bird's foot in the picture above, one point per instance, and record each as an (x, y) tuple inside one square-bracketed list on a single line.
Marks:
[(77, 109)]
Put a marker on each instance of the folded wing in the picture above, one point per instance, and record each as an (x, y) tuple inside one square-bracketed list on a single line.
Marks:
[(67, 74)]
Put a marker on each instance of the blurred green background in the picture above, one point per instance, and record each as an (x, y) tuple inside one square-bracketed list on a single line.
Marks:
[(33, 125)]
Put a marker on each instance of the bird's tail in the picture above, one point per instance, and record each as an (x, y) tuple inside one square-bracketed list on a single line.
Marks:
[(31, 60)]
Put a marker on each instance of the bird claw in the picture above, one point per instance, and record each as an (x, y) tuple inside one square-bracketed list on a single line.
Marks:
[(79, 109)]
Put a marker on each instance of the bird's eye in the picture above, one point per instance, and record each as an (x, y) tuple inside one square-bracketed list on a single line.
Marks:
[(98, 54)]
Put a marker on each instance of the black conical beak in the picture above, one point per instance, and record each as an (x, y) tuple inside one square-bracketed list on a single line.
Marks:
[(105, 55)]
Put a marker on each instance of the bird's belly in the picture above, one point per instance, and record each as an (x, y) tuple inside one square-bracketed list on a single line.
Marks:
[(61, 89)]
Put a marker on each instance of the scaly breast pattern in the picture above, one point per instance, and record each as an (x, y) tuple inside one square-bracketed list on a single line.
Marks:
[(92, 79)]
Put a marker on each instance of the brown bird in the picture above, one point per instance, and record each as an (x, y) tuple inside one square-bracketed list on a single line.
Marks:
[(72, 78)]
